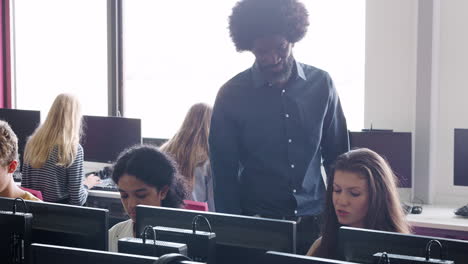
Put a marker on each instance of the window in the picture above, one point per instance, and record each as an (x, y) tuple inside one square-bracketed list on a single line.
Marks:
[(175, 57), (60, 46), (335, 42)]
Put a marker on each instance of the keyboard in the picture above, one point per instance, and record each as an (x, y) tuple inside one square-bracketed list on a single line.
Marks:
[(17, 176), (106, 185)]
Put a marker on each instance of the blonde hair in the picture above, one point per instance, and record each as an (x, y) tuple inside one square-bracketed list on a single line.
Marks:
[(8, 144), (189, 146), (61, 129)]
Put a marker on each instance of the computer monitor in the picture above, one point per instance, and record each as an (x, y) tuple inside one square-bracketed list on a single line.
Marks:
[(359, 245), (460, 157), (155, 141), (47, 254), (23, 123), (395, 147), (66, 225), (104, 137), (273, 257), (237, 236)]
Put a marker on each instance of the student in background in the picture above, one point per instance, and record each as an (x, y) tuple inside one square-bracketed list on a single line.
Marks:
[(53, 157), (189, 148), (362, 192), (9, 163), (147, 176)]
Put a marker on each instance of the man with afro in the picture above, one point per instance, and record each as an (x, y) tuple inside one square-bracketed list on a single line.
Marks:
[(275, 122)]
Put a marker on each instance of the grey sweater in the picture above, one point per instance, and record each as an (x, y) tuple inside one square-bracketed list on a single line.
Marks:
[(203, 186)]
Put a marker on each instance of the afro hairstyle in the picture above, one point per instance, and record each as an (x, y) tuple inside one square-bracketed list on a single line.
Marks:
[(251, 19)]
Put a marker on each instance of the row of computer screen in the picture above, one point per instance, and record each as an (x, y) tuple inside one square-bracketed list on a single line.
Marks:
[(103, 137), (238, 239)]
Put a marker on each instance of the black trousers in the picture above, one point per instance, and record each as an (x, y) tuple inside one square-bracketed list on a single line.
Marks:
[(307, 230)]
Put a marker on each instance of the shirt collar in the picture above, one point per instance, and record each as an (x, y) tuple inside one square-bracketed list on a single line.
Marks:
[(260, 81)]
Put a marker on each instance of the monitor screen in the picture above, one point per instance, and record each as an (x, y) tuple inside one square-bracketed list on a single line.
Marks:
[(460, 157), (66, 225), (23, 123), (273, 257), (359, 245), (105, 137), (237, 236), (395, 147)]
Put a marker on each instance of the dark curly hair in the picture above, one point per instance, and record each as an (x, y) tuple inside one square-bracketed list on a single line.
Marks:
[(251, 19), (155, 168)]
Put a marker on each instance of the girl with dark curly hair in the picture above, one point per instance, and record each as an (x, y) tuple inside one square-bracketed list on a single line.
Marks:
[(144, 175)]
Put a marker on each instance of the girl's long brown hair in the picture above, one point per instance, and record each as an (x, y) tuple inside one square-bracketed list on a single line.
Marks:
[(385, 211), (189, 146)]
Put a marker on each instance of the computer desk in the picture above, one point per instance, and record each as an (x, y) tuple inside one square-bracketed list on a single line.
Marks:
[(440, 221), (104, 194)]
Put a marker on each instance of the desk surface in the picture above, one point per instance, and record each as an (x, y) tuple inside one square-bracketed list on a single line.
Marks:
[(105, 194), (439, 217)]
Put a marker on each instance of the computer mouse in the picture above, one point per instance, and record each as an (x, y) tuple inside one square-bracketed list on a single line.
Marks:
[(416, 209)]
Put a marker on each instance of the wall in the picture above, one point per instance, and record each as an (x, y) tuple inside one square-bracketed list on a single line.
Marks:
[(417, 81), (453, 95), (390, 64), (390, 79)]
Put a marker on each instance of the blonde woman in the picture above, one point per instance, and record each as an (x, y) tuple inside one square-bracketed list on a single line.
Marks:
[(9, 163), (189, 148), (53, 157)]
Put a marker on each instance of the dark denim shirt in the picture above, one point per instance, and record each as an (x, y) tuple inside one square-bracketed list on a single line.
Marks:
[(267, 142)]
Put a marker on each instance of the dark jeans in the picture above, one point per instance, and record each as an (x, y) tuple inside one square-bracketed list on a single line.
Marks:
[(63, 201), (307, 228)]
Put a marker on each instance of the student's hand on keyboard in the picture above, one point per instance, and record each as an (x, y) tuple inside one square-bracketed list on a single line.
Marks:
[(91, 181)]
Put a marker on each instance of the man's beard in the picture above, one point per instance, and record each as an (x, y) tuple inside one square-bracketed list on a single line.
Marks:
[(281, 76)]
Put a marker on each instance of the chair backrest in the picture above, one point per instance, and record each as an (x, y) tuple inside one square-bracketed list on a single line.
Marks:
[(36, 193), (194, 205)]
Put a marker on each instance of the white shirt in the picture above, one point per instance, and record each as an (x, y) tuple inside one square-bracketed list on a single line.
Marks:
[(203, 185), (118, 231)]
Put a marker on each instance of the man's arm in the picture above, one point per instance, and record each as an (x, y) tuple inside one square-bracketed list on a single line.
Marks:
[(335, 140), (224, 158)]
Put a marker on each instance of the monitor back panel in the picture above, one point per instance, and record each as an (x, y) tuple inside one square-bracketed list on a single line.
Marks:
[(66, 225), (231, 230), (359, 245)]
